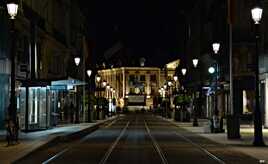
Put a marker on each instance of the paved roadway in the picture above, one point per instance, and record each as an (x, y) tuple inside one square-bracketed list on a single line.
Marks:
[(138, 139)]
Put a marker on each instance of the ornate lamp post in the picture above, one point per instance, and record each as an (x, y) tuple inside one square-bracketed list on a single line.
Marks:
[(216, 48), (89, 72), (256, 14), (165, 86), (111, 101), (175, 78), (77, 60), (169, 93), (195, 121), (108, 87), (12, 9), (98, 79), (183, 110)]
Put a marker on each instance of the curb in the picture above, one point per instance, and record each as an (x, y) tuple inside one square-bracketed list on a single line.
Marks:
[(66, 138)]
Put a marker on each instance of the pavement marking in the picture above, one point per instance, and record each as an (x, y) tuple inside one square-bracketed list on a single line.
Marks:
[(157, 147), (55, 156), (201, 148), (110, 150)]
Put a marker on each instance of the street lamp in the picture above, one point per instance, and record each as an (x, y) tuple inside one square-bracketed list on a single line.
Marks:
[(256, 14), (108, 86), (211, 70), (77, 60), (98, 79), (169, 83), (195, 62), (110, 91), (183, 71), (165, 88), (175, 78), (12, 9), (216, 47), (89, 72), (195, 121), (104, 83), (170, 93)]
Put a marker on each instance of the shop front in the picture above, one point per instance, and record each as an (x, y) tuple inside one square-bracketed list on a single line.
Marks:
[(34, 106), (4, 98), (264, 98), (68, 102)]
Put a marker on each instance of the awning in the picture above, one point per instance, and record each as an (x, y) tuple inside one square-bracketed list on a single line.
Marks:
[(68, 82), (35, 83)]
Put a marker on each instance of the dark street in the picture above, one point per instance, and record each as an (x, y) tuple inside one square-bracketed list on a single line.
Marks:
[(133, 81), (139, 138)]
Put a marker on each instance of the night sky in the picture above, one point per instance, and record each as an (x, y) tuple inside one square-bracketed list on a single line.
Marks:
[(151, 29)]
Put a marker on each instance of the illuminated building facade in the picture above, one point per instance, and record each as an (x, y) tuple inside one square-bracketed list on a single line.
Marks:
[(137, 86)]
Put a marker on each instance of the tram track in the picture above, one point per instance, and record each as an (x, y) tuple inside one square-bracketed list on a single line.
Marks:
[(57, 155), (141, 139)]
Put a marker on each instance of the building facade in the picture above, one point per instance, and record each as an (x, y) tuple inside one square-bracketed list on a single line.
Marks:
[(137, 87), (48, 36)]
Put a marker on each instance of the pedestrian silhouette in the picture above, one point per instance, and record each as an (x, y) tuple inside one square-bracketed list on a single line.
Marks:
[(9, 131)]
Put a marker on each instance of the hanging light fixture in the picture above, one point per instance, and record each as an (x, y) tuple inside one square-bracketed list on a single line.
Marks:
[(77, 61), (183, 71), (104, 83), (195, 62), (175, 77), (89, 72), (98, 78), (256, 14), (216, 47), (12, 9)]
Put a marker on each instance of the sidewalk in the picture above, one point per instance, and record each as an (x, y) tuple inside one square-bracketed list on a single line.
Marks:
[(243, 145), (33, 140)]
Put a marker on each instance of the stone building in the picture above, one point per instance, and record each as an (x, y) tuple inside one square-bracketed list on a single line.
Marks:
[(137, 87), (48, 35)]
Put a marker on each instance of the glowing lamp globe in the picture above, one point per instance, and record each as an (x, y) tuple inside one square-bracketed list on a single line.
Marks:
[(12, 9), (195, 62), (216, 47), (89, 72), (256, 14), (77, 61), (183, 71)]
